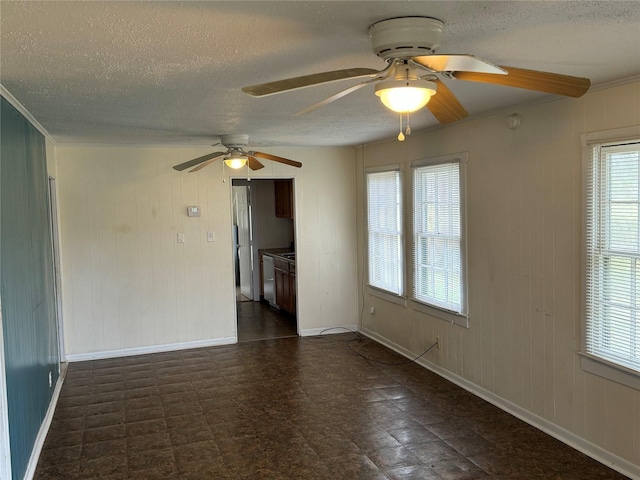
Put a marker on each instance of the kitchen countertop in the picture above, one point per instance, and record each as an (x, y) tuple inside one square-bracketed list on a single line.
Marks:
[(281, 253)]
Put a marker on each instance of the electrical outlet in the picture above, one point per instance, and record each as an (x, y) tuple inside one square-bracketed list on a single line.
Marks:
[(438, 343), (50, 380), (181, 238), (211, 237)]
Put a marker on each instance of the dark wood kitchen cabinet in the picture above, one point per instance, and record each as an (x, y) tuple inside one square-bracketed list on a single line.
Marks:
[(292, 287), (285, 284), (284, 198), (283, 295)]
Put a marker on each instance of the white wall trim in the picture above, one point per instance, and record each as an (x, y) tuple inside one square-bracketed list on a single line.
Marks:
[(389, 297), (610, 136), (310, 332), (615, 83), (46, 423), (5, 449), (597, 453), (21, 108), (57, 263), (171, 347)]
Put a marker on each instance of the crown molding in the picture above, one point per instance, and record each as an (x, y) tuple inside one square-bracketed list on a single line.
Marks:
[(21, 108)]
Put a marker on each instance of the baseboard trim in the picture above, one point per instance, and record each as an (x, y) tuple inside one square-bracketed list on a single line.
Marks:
[(44, 427), (171, 347), (603, 456), (311, 332)]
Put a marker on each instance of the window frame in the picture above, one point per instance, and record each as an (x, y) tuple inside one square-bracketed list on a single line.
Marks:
[(398, 298), (591, 362), (459, 318)]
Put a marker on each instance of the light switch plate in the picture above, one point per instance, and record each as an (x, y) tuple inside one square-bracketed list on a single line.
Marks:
[(181, 238), (193, 211)]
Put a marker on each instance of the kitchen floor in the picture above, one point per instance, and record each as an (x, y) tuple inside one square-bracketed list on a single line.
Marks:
[(259, 321), (296, 408)]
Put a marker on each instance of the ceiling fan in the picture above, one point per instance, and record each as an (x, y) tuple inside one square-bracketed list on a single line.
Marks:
[(235, 156), (409, 80)]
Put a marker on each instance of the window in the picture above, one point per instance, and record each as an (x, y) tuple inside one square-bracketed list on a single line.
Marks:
[(438, 234), (384, 223), (612, 255)]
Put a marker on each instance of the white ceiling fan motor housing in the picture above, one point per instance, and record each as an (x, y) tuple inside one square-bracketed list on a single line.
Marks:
[(234, 141), (405, 37)]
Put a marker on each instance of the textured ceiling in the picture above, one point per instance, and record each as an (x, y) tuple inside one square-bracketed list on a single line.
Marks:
[(171, 72)]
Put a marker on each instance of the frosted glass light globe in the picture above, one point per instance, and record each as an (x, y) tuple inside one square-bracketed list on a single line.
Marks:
[(235, 163), (404, 96)]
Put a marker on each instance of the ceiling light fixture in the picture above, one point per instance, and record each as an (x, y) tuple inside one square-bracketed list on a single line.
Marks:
[(405, 95), (235, 160)]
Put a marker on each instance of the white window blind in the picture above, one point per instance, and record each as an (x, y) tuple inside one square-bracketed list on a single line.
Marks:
[(437, 236), (612, 287), (384, 223)]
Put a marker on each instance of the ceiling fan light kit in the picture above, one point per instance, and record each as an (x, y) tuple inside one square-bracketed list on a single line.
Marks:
[(235, 160), (404, 96), (235, 163)]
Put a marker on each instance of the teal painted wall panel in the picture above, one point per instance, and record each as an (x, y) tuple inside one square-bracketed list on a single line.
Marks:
[(26, 283)]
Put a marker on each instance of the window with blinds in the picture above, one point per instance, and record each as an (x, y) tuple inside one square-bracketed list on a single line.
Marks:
[(612, 284), (438, 244), (384, 224)]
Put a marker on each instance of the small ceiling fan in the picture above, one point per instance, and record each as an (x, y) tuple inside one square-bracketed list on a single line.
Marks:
[(235, 156), (409, 80)]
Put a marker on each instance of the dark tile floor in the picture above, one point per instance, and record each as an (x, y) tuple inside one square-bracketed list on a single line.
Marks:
[(294, 408), (259, 321)]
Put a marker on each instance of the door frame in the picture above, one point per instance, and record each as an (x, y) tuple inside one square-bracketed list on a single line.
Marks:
[(295, 236), (57, 277)]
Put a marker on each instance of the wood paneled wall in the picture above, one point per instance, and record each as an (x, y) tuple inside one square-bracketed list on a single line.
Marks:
[(128, 284), (524, 218), (28, 297)]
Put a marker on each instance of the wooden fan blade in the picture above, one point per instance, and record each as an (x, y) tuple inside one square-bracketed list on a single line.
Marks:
[(445, 106), (533, 80), (196, 161), (295, 83), (208, 162), (275, 158), (458, 63), (254, 164)]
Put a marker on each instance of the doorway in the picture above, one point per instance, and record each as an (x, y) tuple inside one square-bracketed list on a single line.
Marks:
[(258, 228), (243, 241)]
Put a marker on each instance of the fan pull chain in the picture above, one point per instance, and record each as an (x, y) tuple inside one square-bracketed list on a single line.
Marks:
[(401, 135)]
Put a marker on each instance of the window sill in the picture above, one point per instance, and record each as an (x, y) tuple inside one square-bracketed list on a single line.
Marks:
[(389, 297), (610, 371), (446, 315)]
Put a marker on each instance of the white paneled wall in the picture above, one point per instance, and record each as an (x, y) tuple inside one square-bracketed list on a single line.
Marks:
[(524, 199), (129, 286)]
